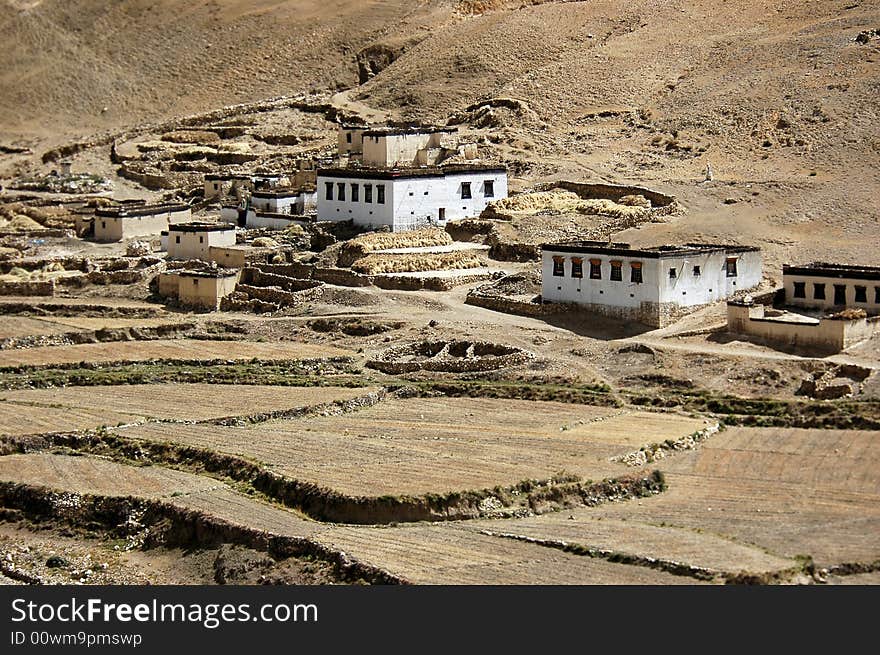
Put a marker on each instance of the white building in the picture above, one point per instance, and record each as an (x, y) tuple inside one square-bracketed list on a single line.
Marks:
[(277, 201), (219, 185), (653, 286), (118, 223), (194, 240), (406, 199), (417, 146), (350, 140), (832, 287)]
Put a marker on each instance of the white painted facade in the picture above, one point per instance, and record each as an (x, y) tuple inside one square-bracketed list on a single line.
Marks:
[(188, 242), (832, 287), (654, 283), (275, 202), (409, 200), (116, 225)]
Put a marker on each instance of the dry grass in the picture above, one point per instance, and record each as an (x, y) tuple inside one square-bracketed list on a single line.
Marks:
[(184, 349), (789, 491), (90, 475), (355, 249), (190, 402), (447, 554), (558, 200), (404, 262), (420, 446)]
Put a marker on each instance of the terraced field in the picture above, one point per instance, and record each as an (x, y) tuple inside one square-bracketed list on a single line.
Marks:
[(182, 349), (419, 553), (426, 554), (579, 527), (789, 491), (24, 326), (437, 445), (91, 475), (16, 419), (24, 412)]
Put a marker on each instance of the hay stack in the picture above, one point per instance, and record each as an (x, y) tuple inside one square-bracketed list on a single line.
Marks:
[(377, 264), (361, 246)]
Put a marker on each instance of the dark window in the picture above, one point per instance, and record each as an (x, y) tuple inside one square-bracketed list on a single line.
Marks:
[(558, 266), (201, 239), (348, 137), (672, 273), (103, 225), (877, 294), (340, 191), (465, 190), (329, 186), (635, 274), (617, 271), (697, 271), (368, 193), (731, 267), (177, 239), (839, 294), (819, 292), (196, 281), (354, 192), (800, 289), (380, 194), (861, 294), (577, 267), (595, 269), (489, 189)]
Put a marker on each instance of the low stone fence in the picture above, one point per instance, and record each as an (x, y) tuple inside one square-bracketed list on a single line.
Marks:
[(413, 283), (29, 288), (258, 278), (448, 356), (279, 296), (513, 306)]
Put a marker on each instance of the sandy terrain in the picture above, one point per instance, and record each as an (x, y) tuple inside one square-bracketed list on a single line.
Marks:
[(182, 349)]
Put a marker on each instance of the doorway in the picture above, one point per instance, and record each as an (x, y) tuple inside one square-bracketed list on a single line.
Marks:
[(839, 294)]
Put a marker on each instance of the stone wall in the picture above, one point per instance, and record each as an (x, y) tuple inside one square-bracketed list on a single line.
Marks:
[(451, 357), (828, 335), (614, 192), (258, 278), (411, 283), (30, 288), (279, 296), (514, 306)]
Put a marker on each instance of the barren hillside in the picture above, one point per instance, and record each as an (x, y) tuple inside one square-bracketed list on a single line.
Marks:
[(779, 97)]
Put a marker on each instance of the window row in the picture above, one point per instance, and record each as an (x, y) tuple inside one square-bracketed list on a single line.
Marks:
[(860, 295), (355, 192), (616, 273), (488, 189)]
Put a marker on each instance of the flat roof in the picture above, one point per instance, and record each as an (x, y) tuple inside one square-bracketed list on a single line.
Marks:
[(836, 271), (277, 193), (227, 176), (201, 227), (399, 131), (366, 173), (208, 273), (653, 252), (140, 210)]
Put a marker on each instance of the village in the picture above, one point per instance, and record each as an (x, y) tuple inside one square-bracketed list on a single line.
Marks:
[(414, 193), (489, 329)]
